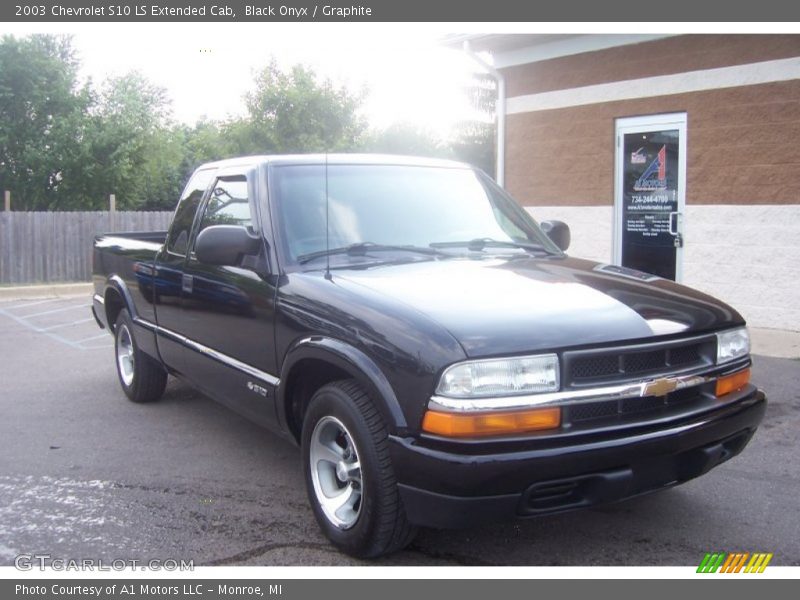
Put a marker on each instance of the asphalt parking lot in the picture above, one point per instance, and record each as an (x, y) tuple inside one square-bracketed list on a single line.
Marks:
[(86, 474)]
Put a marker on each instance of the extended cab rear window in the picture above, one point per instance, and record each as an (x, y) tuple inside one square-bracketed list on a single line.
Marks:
[(178, 239)]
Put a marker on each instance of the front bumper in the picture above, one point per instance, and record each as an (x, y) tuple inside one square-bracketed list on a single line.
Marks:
[(450, 484)]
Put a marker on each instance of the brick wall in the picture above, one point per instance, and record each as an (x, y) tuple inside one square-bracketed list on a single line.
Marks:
[(660, 57), (743, 147), (742, 141)]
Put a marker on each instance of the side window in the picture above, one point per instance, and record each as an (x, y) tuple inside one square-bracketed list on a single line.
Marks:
[(228, 204), (178, 240)]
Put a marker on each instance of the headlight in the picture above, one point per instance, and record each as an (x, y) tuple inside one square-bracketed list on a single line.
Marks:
[(501, 377), (732, 344)]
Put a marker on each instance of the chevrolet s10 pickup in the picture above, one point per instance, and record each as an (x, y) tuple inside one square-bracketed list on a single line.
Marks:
[(433, 351)]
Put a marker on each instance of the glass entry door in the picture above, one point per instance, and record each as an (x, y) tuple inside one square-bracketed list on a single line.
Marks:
[(650, 194)]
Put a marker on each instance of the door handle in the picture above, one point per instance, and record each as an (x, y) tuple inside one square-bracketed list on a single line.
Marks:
[(187, 283), (674, 219)]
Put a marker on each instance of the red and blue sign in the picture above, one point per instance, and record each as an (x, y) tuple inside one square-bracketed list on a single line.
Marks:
[(655, 175)]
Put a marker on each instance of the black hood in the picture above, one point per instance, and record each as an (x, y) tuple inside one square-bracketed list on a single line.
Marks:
[(508, 305)]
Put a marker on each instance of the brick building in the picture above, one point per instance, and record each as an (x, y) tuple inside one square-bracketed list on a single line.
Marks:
[(642, 142)]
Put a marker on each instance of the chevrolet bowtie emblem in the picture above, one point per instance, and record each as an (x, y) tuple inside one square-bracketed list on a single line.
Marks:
[(660, 387)]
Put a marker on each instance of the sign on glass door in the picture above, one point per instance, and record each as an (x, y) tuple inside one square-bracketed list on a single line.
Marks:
[(650, 198)]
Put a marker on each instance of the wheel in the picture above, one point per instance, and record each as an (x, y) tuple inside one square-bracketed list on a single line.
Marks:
[(142, 378), (349, 476)]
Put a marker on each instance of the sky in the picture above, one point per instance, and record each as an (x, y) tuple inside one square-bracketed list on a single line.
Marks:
[(206, 67)]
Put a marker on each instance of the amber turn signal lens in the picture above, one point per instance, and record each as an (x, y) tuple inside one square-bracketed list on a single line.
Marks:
[(494, 423), (732, 383)]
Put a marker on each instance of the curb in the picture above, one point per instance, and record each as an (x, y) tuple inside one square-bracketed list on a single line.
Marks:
[(30, 292), (775, 342)]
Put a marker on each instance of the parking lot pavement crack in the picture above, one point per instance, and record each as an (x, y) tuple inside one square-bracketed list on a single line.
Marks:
[(458, 559), (265, 548)]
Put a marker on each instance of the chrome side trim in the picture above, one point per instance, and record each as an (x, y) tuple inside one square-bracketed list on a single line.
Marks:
[(145, 323), (210, 352), (99, 299), (659, 386)]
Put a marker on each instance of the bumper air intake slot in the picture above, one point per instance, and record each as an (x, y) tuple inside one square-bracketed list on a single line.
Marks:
[(573, 492)]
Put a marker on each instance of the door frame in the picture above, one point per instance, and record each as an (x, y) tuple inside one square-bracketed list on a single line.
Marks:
[(643, 124)]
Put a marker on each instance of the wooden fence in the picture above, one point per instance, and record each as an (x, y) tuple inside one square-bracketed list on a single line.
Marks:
[(38, 247)]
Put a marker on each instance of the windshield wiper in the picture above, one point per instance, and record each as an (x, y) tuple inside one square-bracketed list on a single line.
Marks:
[(479, 244), (362, 248)]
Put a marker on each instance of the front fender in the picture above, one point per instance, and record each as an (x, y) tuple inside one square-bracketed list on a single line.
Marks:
[(354, 362)]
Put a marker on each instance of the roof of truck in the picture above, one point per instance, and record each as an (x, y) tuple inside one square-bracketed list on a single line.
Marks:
[(335, 159)]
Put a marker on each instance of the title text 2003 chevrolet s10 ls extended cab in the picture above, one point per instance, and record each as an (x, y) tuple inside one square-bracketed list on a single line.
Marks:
[(431, 348)]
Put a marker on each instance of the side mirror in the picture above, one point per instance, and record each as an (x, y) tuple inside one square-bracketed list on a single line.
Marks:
[(225, 245), (558, 231)]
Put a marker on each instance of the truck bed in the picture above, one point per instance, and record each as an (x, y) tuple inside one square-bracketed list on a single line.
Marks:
[(158, 237), (129, 256)]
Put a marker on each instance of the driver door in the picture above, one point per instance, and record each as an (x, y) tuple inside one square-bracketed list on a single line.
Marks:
[(229, 311)]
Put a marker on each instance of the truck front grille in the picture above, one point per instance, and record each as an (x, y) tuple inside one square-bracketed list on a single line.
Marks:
[(624, 364), (633, 408), (634, 363)]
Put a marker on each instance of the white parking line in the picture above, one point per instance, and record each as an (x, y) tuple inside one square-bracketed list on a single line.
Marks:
[(94, 337), (27, 304), (51, 335), (60, 325), (57, 310)]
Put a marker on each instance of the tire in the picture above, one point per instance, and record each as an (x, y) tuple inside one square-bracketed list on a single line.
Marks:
[(342, 424), (142, 378)]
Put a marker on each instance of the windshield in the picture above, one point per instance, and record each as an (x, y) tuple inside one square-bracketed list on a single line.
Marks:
[(396, 205)]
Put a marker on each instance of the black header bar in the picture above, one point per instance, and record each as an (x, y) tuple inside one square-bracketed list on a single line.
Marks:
[(494, 11), (732, 588)]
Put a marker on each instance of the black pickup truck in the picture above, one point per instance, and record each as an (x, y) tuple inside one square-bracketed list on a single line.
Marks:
[(433, 351)]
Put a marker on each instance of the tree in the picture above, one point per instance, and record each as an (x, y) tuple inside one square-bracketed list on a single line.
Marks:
[(294, 111), (64, 146), (474, 140), (406, 138), (203, 142), (131, 149), (41, 119)]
